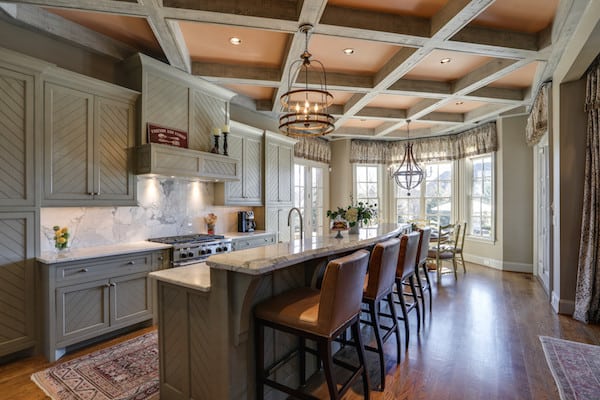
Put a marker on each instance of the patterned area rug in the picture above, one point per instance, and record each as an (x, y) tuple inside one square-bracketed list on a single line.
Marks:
[(575, 367), (126, 371)]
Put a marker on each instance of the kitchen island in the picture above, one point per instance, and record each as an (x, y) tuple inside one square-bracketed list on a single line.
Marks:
[(205, 341)]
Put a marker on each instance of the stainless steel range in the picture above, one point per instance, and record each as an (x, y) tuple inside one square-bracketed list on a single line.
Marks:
[(189, 249)]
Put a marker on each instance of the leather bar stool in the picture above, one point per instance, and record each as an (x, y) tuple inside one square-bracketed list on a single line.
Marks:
[(423, 283), (319, 315), (405, 272), (379, 285)]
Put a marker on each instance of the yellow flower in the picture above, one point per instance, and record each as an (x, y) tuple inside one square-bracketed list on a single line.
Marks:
[(64, 230), (61, 240)]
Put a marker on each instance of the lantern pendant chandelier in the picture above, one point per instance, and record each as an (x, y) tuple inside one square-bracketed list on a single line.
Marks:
[(408, 175), (305, 109)]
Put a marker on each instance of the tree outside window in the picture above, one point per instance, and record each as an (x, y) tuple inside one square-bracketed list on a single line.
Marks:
[(481, 205)]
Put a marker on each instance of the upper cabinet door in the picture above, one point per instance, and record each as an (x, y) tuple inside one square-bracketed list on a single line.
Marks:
[(68, 126), (252, 174), (16, 139), (285, 171), (113, 141)]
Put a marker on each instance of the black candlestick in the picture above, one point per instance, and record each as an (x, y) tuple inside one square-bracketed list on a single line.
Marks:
[(225, 148), (215, 148)]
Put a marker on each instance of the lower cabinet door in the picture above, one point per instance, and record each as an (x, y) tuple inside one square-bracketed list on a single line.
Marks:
[(131, 299), (82, 311)]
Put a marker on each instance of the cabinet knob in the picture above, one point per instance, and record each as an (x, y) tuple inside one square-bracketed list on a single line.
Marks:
[(160, 258), (131, 262), (107, 285), (113, 284), (83, 270), (91, 193)]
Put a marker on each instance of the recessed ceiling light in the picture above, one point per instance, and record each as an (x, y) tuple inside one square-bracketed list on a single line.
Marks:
[(445, 60), (458, 103), (348, 51), (236, 41)]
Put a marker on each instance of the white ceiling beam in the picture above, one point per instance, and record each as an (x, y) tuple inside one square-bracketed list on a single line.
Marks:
[(105, 6)]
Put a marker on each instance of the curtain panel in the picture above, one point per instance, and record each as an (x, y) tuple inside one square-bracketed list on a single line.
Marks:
[(587, 294), (537, 121), (314, 149), (480, 140)]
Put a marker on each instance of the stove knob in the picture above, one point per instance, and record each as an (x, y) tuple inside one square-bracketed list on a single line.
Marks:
[(182, 255), (202, 252), (208, 251), (190, 254), (218, 249)]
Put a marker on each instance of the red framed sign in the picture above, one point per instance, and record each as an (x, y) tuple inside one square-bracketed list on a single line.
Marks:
[(171, 137)]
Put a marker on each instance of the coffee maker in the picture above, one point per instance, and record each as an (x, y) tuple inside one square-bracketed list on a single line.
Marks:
[(246, 221)]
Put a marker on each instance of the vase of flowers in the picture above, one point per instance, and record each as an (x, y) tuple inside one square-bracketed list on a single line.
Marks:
[(61, 238), (357, 215), (211, 220)]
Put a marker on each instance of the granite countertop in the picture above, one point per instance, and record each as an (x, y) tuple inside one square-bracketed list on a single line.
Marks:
[(233, 235), (260, 260), (193, 276), (52, 257)]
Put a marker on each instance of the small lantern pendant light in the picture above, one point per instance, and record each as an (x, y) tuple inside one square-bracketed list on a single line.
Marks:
[(409, 175)]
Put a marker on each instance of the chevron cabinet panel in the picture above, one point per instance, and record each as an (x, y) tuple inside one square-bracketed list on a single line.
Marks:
[(246, 145), (160, 91), (16, 282), (279, 168), (88, 141), (16, 138), (207, 112)]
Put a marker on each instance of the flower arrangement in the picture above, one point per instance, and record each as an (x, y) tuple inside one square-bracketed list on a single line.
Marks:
[(211, 220), (362, 212), (61, 237)]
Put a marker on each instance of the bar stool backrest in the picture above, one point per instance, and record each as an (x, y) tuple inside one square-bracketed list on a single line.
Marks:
[(423, 245), (382, 268), (341, 291), (409, 244)]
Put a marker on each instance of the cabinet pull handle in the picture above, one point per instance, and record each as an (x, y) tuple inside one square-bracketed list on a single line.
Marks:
[(160, 258), (113, 284), (131, 262), (107, 285), (83, 270), (91, 193)]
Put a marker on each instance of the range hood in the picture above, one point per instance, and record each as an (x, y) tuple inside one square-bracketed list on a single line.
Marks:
[(164, 160)]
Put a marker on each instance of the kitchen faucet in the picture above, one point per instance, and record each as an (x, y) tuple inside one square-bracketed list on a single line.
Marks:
[(301, 223)]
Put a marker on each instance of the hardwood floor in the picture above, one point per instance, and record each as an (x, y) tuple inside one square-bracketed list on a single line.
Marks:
[(481, 342)]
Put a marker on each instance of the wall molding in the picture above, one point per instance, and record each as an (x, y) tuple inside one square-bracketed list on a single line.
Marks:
[(562, 306)]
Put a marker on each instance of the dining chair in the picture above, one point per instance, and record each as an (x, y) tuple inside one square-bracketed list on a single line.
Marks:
[(445, 248), (461, 245)]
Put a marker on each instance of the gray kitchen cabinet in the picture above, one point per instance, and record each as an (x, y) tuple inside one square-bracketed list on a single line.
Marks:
[(16, 136), (84, 299), (245, 144), (250, 241), (276, 222), (88, 139), (17, 308), (279, 168)]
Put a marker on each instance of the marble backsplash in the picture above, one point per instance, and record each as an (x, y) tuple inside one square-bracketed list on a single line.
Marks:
[(166, 207)]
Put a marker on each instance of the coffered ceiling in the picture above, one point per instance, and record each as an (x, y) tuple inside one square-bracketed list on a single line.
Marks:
[(499, 51)]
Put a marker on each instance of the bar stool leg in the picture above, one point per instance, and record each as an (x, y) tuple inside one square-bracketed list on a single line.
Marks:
[(376, 325), (411, 282), (259, 335), (403, 309), (395, 326), (302, 359), (419, 286), (428, 287), (324, 346), (361, 357)]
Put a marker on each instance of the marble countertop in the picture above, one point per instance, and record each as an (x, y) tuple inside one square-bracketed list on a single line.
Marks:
[(260, 260), (52, 257), (193, 276), (234, 235)]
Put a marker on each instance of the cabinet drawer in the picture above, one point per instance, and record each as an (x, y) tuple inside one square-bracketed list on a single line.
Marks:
[(97, 269), (247, 243)]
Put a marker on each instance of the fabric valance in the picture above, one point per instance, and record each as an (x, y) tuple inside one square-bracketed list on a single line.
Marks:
[(537, 122), (480, 140), (314, 149)]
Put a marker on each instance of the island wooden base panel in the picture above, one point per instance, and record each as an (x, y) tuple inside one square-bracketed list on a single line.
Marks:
[(481, 342)]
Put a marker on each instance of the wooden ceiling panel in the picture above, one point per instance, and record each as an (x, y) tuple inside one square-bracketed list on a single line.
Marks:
[(417, 8), (431, 68), (394, 101), (133, 31), (461, 106), (529, 16), (368, 57), (251, 91), (339, 97), (210, 43), (519, 79), (362, 123)]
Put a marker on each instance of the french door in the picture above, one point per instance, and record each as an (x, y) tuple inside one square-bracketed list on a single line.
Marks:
[(310, 179), (542, 258)]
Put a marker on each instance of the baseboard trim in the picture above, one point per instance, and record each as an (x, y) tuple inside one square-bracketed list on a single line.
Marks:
[(562, 306), (497, 264)]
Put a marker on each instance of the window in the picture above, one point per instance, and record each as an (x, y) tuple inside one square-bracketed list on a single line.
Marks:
[(431, 201), (367, 185), (481, 206), (308, 197)]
